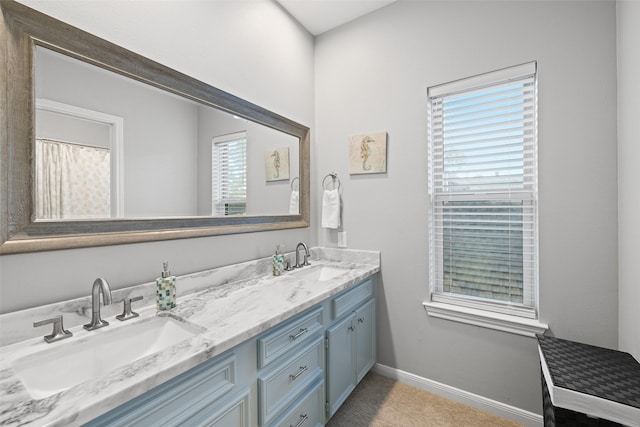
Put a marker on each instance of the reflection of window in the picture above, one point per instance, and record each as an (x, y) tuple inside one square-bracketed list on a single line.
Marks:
[(483, 192), (229, 174)]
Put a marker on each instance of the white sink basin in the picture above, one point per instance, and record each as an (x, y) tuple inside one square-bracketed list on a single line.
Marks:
[(69, 363), (320, 273)]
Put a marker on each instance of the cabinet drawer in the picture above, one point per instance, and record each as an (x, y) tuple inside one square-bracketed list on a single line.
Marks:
[(349, 300), (308, 411), (287, 337), (279, 387)]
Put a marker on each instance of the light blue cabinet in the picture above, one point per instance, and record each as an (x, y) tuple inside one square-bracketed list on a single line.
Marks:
[(211, 394), (281, 340), (275, 379), (351, 344), (281, 385), (307, 410), (341, 373), (365, 324)]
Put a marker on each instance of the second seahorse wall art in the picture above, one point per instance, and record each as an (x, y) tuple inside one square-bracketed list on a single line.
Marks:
[(368, 153)]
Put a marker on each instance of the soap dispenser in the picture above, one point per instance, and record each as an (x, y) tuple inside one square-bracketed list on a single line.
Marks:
[(166, 289), (278, 261)]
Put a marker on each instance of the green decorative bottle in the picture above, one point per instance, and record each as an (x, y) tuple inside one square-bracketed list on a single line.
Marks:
[(278, 261), (166, 289)]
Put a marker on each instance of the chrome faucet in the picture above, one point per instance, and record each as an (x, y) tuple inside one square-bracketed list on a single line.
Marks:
[(306, 255), (100, 284)]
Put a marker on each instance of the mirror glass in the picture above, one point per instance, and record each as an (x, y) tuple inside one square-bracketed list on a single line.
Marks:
[(102, 146), (108, 146)]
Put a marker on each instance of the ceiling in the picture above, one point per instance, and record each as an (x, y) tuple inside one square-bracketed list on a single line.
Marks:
[(318, 16)]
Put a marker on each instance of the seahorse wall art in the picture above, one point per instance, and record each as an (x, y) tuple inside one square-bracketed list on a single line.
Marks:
[(368, 153), (276, 164)]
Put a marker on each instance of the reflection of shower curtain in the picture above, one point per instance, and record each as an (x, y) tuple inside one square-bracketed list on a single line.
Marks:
[(72, 181)]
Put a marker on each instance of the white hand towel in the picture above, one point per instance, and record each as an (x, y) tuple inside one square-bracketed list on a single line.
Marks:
[(294, 203), (331, 209)]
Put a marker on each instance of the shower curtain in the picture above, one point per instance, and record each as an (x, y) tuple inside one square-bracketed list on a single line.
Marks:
[(72, 181)]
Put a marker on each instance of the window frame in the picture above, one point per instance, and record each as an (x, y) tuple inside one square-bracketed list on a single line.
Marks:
[(515, 318), (221, 202)]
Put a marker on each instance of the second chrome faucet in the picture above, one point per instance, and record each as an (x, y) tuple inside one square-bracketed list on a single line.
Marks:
[(306, 255)]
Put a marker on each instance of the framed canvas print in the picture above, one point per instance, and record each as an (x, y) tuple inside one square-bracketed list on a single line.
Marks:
[(368, 153), (276, 164)]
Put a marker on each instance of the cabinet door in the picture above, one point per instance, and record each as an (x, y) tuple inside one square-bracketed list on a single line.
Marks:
[(341, 378), (365, 321)]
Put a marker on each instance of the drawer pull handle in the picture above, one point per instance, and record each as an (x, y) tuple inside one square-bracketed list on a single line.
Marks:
[(351, 328), (296, 336), (303, 418), (297, 374), (361, 320)]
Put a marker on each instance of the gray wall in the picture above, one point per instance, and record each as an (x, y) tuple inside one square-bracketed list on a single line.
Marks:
[(251, 49), (61, 127), (629, 175), (372, 74), (159, 154)]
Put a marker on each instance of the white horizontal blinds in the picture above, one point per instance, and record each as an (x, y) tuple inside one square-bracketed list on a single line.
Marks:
[(484, 139), (483, 192), (229, 174)]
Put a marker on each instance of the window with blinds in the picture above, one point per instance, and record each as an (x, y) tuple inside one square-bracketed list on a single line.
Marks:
[(229, 175), (483, 191)]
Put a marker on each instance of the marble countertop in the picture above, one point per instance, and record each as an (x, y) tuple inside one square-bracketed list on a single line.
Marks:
[(232, 304)]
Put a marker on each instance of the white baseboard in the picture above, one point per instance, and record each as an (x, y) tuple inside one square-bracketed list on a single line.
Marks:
[(503, 410)]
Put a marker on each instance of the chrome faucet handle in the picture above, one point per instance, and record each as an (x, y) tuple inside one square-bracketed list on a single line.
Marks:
[(59, 333), (287, 265), (127, 313)]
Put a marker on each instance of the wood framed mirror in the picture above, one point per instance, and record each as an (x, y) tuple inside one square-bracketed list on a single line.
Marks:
[(28, 39)]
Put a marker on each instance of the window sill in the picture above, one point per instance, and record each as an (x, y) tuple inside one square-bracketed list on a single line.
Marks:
[(486, 319)]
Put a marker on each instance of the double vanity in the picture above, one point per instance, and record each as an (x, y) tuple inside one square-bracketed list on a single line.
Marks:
[(242, 348)]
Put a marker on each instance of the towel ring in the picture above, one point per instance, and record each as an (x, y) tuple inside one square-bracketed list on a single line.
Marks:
[(334, 177), (294, 180)]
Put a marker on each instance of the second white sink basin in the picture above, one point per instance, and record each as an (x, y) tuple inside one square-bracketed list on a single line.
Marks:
[(104, 350), (320, 273)]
